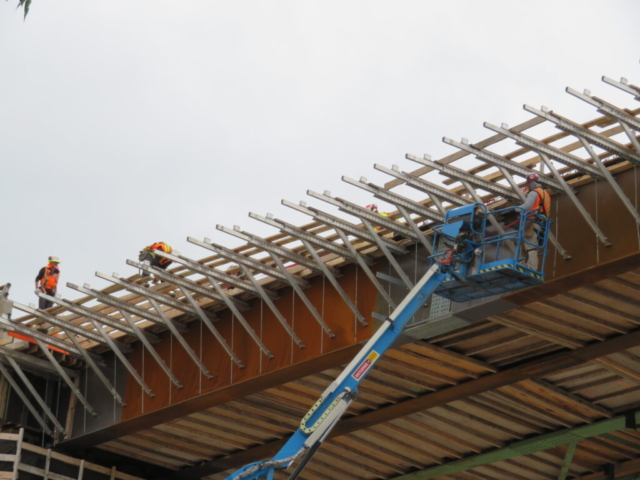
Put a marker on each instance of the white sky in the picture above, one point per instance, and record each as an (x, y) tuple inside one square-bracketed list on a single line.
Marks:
[(123, 123)]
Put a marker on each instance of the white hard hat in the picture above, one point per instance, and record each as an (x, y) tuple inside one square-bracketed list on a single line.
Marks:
[(54, 259)]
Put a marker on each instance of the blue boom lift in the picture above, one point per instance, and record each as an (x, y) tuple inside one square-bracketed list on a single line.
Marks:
[(475, 262)]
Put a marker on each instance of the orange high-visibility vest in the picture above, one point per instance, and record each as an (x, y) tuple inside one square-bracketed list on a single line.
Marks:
[(542, 204), (50, 280), (161, 246)]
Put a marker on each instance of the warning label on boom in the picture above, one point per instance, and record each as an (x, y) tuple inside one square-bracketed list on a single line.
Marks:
[(365, 365)]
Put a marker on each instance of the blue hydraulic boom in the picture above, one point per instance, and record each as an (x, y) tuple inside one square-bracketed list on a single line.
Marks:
[(475, 261)]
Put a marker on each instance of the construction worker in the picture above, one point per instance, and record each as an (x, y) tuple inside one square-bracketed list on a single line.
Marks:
[(238, 273), (148, 254), (538, 201), (374, 208), (47, 281)]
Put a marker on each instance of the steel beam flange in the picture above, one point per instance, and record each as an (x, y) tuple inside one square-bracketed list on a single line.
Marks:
[(252, 263), (123, 305), (395, 199)]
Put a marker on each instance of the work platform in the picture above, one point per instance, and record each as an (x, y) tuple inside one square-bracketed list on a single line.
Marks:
[(535, 384)]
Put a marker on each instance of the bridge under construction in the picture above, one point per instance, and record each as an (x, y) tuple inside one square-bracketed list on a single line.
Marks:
[(215, 365)]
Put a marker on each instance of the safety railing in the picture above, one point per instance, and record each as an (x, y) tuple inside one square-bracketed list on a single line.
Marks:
[(29, 458)]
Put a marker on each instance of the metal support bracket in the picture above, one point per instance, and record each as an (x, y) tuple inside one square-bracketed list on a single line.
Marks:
[(612, 182), (252, 263), (302, 296), (150, 348), (214, 331), (336, 285), (270, 247), (27, 403), (365, 268), (423, 185), (347, 227), (273, 308), (461, 175), (383, 248), (37, 396), (601, 236), (593, 138), (361, 212), (395, 199), (129, 307), (542, 148), (309, 237), (76, 391), (244, 323), (179, 337), (623, 85)]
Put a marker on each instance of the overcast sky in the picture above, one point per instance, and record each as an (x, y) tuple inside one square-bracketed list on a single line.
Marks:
[(127, 122)]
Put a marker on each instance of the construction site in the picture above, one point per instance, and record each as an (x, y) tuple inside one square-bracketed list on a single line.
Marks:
[(363, 349)]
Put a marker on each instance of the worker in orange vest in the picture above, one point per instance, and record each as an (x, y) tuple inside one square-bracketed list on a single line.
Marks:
[(156, 260), (47, 281), (374, 208), (538, 201)]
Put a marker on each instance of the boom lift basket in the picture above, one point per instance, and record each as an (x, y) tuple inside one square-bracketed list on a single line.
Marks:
[(484, 261)]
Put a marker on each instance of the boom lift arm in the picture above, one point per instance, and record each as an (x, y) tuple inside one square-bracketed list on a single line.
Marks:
[(462, 272)]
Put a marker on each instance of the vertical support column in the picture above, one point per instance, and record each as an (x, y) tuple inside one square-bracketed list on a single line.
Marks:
[(16, 461), (81, 470), (71, 412), (571, 448), (47, 465)]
